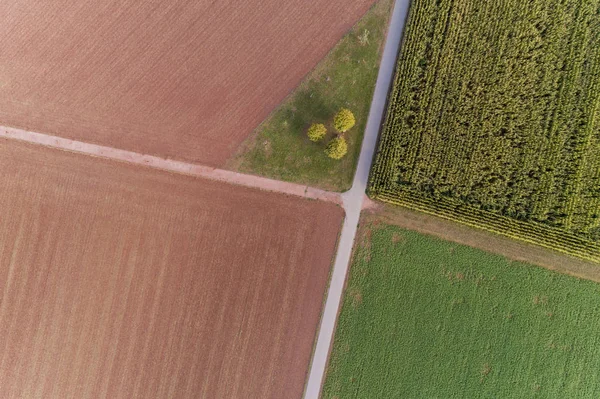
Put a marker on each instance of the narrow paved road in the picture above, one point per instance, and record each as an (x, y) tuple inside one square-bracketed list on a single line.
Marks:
[(353, 200)]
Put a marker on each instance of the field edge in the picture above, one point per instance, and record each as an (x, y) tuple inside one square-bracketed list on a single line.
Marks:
[(554, 239), (449, 229)]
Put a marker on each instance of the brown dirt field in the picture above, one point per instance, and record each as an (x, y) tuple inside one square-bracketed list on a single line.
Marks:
[(119, 281), (183, 79), (481, 239)]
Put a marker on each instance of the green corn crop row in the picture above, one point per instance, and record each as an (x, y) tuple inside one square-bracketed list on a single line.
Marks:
[(493, 118)]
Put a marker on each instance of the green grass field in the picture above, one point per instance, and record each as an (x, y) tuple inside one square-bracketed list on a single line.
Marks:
[(345, 78), (494, 119), (425, 318)]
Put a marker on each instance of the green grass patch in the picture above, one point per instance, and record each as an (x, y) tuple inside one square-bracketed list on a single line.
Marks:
[(346, 78), (495, 114), (425, 318)]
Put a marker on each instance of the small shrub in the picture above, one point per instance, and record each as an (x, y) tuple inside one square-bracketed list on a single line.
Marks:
[(316, 132), (337, 148), (363, 38), (344, 120)]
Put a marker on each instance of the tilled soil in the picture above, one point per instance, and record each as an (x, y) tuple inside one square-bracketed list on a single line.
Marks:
[(120, 281), (182, 79)]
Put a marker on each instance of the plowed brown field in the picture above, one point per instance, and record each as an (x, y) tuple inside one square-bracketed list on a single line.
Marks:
[(181, 79), (125, 282)]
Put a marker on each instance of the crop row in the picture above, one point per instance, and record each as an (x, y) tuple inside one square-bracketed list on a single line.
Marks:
[(495, 106), (534, 233)]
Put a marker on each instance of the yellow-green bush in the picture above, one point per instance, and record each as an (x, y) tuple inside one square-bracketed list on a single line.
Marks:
[(316, 132), (344, 120), (337, 148)]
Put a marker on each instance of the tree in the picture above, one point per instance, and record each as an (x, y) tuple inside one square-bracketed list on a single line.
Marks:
[(337, 148), (344, 120), (316, 132)]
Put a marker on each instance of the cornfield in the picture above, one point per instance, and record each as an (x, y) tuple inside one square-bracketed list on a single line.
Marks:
[(493, 119)]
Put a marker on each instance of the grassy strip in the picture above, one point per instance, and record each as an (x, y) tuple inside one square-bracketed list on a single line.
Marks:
[(280, 149), (425, 318)]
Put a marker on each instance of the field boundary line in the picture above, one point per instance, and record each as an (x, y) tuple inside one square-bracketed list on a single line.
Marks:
[(171, 165), (485, 240)]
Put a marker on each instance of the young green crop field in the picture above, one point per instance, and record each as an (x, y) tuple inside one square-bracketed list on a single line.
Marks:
[(494, 119), (425, 318)]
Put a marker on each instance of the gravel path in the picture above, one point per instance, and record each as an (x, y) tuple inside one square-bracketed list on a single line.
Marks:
[(353, 201), (171, 165)]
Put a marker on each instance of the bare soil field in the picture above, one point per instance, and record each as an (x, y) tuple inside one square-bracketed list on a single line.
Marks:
[(120, 281), (183, 79)]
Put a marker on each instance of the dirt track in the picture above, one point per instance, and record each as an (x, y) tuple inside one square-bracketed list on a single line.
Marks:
[(478, 238), (148, 284), (171, 165), (181, 79)]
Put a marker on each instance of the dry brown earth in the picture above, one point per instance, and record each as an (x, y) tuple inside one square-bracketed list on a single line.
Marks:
[(181, 79), (119, 281)]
